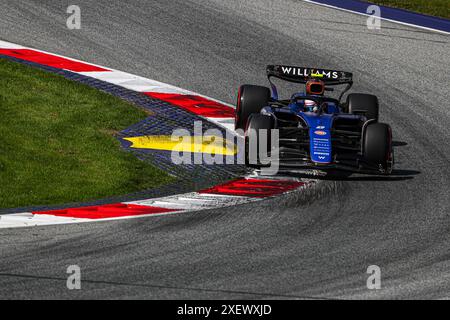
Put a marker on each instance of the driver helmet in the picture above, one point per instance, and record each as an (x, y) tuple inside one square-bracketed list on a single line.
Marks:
[(314, 87), (307, 106), (311, 106)]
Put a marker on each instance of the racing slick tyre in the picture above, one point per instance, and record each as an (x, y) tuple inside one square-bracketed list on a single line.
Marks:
[(377, 146), (363, 104), (251, 99), (255, 124)]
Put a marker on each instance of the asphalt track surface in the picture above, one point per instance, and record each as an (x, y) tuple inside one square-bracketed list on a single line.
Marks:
[(288, 248)]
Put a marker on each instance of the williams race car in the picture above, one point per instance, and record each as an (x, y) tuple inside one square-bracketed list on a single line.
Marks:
[(315, 131)]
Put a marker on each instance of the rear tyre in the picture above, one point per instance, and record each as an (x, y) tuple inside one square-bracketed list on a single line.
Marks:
[(377, 146), (251, 99), (255, 124), (363, 104)]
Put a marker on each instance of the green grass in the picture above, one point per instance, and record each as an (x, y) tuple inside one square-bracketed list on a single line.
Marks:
[(438, 8), (57, 141)]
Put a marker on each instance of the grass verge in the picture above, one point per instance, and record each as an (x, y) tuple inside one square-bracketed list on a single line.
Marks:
[(438, 8), (57, 141)]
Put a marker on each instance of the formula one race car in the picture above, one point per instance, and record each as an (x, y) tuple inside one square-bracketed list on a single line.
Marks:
[(315, 131)]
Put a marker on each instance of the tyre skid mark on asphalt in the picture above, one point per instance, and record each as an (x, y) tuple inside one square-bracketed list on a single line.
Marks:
[(239, 191)]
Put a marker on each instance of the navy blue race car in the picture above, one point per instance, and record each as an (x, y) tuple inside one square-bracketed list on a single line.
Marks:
[(316, 131)]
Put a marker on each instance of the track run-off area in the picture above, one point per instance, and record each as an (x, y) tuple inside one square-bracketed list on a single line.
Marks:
[(243, 189), (300, 245)]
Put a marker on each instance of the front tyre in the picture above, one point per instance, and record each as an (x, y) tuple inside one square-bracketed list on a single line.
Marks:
[(257, 125), (251, 99), (377, 146)]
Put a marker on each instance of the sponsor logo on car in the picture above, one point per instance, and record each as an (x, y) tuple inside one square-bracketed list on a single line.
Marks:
[(320, 133), (315, 73)]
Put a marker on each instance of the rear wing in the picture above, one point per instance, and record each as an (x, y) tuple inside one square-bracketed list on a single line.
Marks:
[(303, 74)]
